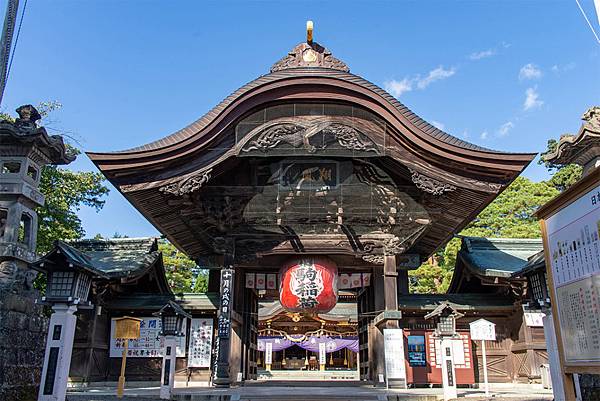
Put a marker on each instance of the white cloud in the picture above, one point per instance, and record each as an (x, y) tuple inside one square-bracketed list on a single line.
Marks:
[(434, 75), (482, 54), (397, 88), (532, 99), (465, 134), (505, 128), (529, 71), (484, 135), (563, 68), (438, 125)]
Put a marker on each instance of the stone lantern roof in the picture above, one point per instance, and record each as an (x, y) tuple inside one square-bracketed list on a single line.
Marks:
[(23, 135)]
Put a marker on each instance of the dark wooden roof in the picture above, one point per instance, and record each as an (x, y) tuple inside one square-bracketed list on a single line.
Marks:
[(163, 177), (461, 302), (114, 260), (491, 261), (153, 302), (120, 257)]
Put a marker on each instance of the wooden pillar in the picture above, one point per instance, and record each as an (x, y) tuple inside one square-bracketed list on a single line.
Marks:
[(386, 299), (214, 280), (222, 374), (91, 337), (403, 282)]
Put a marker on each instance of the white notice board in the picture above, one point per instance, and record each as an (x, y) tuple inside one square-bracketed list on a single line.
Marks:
[(393, 344), (201, 335), (149, 345), (574, 252), (482, 329)]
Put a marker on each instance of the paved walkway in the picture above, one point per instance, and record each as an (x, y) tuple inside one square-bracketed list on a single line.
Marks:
[(318, 392)]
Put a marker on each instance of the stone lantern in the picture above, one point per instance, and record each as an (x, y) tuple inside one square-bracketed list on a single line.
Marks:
[(444, 317), (25, 148), (171, 317), (69, 280)]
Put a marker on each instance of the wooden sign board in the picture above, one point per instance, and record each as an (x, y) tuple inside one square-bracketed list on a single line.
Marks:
[(571, 231), (127, 328)]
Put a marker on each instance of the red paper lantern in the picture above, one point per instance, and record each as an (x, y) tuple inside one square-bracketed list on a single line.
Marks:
[(308, 285)]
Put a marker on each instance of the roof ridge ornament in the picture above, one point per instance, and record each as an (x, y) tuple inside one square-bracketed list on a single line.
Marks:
[(309, 54)]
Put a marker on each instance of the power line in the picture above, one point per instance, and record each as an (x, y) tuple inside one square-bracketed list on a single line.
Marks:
[(588, 21), (12, 56)]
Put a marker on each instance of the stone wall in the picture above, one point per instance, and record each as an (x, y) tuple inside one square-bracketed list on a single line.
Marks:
[(23, 329)]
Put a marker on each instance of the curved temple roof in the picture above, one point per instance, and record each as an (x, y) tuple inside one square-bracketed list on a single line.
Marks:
[(305, 81), (184, 161)]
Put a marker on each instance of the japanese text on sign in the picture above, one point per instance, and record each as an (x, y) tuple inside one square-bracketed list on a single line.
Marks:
[(224, 321), (149, 345), (201, 334)]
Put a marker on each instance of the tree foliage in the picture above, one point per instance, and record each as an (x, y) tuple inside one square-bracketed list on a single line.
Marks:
[(66, 192), (510, 215), (182, 273)]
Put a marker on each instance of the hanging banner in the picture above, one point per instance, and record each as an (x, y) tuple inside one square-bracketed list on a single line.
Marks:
[(261, 281), (268, 353), (226, 302), (309, 285), (250, 280), (149, 345), (271, 281), (322, 354), (200, 347)]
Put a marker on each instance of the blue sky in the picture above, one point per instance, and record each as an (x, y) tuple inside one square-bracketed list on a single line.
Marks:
[(502, 74)]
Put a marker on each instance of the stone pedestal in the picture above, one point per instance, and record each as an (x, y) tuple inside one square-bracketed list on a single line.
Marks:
[(59, 348), (448, 370), (167, 376), (22, 339)]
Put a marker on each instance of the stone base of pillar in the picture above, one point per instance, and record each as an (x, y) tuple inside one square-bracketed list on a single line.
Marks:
[(168, 368), (22, 344)]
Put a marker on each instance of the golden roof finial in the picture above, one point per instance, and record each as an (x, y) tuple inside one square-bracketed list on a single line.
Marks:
[(309, 32)]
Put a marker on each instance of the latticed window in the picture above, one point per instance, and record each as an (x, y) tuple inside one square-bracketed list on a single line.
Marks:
[(536, 286), (169, 324), (83, 286), (446, 325), (61, 284)]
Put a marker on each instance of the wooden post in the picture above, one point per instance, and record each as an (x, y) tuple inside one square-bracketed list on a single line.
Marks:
[(126, 328), (485, 375), (121, 385)]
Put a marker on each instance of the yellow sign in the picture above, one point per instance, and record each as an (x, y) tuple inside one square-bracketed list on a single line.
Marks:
[(127, 328)]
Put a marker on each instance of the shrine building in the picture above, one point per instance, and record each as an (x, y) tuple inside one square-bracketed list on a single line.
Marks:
[(309, 193)]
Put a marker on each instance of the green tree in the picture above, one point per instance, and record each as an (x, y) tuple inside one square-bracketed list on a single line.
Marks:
[(510, 215), (182, 273), (66, 192), (429, 278)]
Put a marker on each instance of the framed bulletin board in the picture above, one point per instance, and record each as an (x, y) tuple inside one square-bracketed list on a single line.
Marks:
[(571, 230)]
